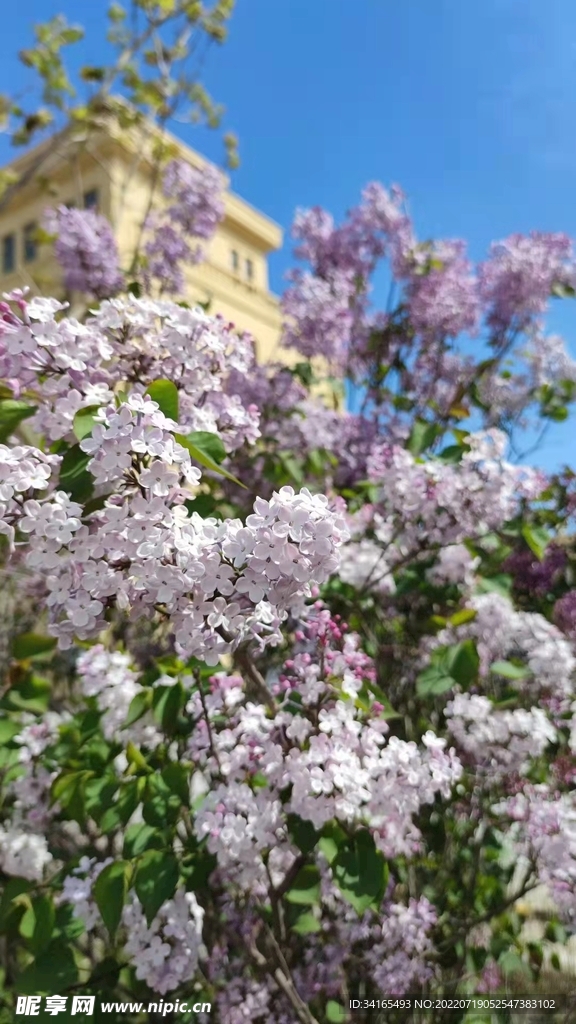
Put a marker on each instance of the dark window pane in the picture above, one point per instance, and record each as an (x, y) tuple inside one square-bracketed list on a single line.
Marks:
[(30, 244), (235, 259), (9, 254), (91, 199), (249, 269)]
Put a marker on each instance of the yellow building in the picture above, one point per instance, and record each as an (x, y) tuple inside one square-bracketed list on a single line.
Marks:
[(116, 170)]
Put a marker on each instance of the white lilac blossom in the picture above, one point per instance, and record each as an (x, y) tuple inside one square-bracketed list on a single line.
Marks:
[(165, 953), (33, 807), (144, 550), (108, 676), (501, 632), (23, 854), (545, 830), (497, 740), (454, 565), (337, 761), (441, 503), (364, 566), (77, 365)]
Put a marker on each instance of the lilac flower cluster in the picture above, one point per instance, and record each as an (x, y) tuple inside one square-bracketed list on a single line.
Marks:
[(565, 613), (23, 854), (76, 365), (165, 953), (546, 832), (108, 676), (442, 291), (501, 632), (218, 581), (334, 759), (86, 251), (423, 504), (326, 307), (517, 280), (534, 576), (498, 741), (436, 295)]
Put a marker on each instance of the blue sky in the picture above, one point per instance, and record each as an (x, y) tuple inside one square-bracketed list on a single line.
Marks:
[(470, 107)]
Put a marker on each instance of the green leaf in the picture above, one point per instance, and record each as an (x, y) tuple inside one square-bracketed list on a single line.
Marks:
[(139, 838), (137, 759), (168, 702), (109, 891), (434, 680), (8, 729), (99, 794), (304, 372), (509, 670), (537, 539), (331, 840), (463, 662), (205, 505), (452, 453), (196, 870), (139, 705), (361, 872), (116, 12), (209, 444), (563, 291), (74, 477), (501, 583), (121, 812), (84, 421), (306, 886), (302, 832), (306, 924), (69, 791), (165, 393), (335, 1012), (204, 459), (156, 880), (422, 436), (9, 909), (512, 963), (160, 806), (54, 970), (31, 645), (466, 615), (44, 920), (94, 505), (177, 777), (12, 413)]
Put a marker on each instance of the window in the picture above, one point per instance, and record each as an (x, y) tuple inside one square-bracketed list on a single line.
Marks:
[(30, 243), (8, 254), (235, 260), (249, 270), (91, 199)]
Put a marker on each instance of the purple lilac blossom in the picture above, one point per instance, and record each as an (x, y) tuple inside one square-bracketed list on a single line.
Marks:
[(195, 208), (86, 250), (517, 279)]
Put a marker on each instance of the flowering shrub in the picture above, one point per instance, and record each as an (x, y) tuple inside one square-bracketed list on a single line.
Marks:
[(288, 709)]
